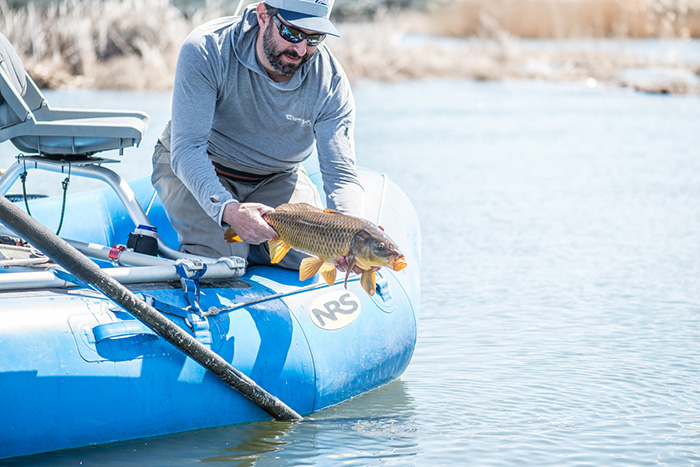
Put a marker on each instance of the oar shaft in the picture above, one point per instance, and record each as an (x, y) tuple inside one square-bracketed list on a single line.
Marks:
[(81, 267)]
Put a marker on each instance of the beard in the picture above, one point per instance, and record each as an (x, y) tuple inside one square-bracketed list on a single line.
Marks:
[(274, 54)]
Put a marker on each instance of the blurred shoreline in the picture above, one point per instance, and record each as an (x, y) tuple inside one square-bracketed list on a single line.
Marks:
[(649, 45)]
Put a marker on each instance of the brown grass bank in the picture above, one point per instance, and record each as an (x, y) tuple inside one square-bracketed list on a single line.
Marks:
[(133, 44), (112, 44), (570, 18)]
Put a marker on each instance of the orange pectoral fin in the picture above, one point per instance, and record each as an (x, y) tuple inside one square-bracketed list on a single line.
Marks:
[(309, 266), (328, 272), (278, 248), (368, 281), (231, 236)]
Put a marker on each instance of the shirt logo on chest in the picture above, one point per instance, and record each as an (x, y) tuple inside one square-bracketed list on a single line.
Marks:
[(299, 120)]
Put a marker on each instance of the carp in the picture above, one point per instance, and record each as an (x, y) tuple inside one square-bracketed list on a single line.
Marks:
[(327, 234)]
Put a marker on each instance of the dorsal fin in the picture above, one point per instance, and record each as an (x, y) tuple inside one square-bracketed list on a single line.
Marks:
[(297, 207)]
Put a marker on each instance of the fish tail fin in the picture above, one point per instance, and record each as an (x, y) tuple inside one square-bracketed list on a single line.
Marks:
[(368, 281), (328, 272), (278, 249), (231, 236), (309, 267)]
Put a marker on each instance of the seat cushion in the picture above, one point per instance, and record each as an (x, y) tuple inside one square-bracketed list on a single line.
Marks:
[(64, 145), (84, 136)]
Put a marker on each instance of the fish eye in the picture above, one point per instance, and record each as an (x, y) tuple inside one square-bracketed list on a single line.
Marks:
[(381, 246)]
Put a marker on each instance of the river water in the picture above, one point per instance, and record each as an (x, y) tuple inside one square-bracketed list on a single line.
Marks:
[(560, 314)]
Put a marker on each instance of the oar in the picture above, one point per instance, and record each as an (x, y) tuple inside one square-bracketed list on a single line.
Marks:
[(81, 267)]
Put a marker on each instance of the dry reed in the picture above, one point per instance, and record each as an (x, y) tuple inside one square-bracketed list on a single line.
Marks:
[(571, 18), (111, 44), (134, 43)]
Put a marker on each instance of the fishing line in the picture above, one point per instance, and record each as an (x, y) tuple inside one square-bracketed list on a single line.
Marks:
[(213, 311)]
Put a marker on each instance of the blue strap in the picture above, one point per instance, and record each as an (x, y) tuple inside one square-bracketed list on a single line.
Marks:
[(191, 284), (165, 307), (200, 327), (120, 329), (193, 317)]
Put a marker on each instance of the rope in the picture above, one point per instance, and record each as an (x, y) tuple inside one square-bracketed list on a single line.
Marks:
[(64, 184)]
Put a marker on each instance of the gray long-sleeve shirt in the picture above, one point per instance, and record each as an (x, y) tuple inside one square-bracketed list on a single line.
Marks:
[(225, 107)]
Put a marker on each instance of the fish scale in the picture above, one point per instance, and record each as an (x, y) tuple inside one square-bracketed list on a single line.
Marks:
[(328, 235)]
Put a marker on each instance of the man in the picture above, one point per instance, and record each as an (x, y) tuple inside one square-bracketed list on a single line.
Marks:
[(253, 97)]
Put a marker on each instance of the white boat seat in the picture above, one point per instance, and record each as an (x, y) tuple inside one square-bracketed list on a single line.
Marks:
[(27, 120)]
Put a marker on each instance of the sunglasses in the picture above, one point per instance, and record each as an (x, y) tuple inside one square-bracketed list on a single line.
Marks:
[(294, 36)]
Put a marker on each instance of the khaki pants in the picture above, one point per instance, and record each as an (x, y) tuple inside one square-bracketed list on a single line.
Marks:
[(199, 234)]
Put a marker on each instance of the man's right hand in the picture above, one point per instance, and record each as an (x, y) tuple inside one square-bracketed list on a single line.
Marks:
[(246, 219)]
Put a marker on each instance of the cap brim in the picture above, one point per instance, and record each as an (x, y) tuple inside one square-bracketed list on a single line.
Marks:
[(309, 23)]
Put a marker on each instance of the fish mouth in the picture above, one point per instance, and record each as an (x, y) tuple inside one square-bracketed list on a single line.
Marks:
[(399, 263)]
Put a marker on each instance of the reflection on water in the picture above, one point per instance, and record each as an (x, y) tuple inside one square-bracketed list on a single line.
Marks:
[(560, 313), (334, 435)]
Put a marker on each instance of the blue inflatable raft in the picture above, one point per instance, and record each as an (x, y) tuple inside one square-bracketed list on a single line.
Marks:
[(77, 369)]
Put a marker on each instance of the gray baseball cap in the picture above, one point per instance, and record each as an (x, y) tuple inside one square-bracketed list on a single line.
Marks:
[(311, 15)]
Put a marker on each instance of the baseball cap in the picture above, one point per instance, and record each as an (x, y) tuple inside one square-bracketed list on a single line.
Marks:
[(311, 15)]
